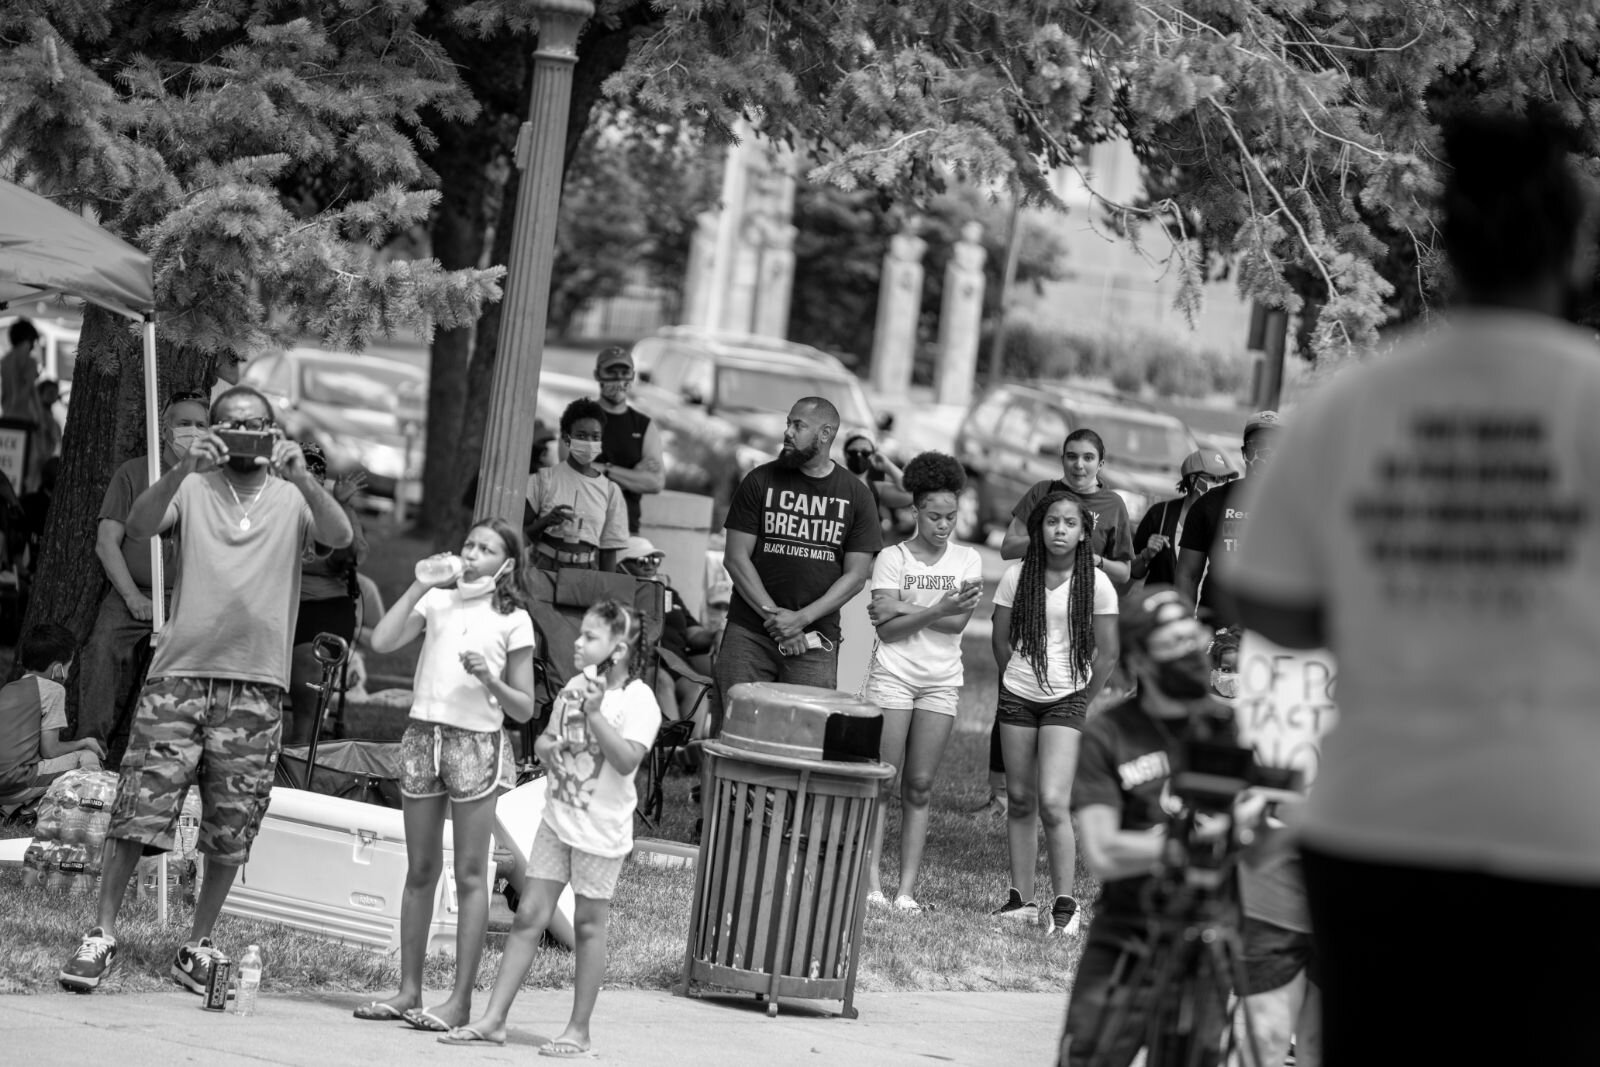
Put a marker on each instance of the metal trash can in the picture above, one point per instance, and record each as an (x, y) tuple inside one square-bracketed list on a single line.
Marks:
[(779, 892)]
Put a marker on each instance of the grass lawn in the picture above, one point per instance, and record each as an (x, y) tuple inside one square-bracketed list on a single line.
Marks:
[(958, 946)]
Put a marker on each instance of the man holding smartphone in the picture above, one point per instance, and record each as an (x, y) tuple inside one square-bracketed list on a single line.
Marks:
[(210, 713)]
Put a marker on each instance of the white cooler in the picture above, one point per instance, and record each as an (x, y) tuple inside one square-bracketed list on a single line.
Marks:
[(337, 867)]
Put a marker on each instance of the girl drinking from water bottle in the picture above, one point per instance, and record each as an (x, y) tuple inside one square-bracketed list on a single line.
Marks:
[(603, 723), (1055, 642), (475, 671), (923, 593)]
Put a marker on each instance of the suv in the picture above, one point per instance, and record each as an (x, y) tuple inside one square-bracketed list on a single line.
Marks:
[(750, 383), (1013, 435)]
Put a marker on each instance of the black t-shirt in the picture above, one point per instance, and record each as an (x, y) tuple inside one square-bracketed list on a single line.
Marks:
[(1214, 525), (803, 527), (1113, 537), (1124, 762), (622, 443), (1162, 518)]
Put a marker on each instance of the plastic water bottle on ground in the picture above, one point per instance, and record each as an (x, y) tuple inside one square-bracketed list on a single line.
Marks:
[(74, 824), (249, 981), (33, 861), (444, 567)]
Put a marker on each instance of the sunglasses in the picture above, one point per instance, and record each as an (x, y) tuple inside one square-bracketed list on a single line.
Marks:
[(861, 453), (626, 376), (256, 425)]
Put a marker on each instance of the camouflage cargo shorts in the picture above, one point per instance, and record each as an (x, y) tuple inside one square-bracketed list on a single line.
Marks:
[(220, 733)]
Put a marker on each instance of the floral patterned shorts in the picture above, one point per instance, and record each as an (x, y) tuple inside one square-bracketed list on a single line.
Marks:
[(438, 760)]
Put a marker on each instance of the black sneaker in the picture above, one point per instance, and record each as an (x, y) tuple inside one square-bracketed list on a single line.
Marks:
[(89, 966), (193, 965), (1016, 908), (1064, 917)]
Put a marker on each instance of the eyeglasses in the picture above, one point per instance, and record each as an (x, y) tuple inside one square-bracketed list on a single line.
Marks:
[(625, 376), (255, 425), (861, 453)]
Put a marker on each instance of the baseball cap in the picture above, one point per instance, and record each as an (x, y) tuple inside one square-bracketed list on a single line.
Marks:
[(1263, 420), (1153, 608), (1204, 461), (615, 356), (638, 548)]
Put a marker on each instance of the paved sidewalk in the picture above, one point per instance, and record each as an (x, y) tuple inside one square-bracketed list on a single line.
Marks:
[(630, 1027)]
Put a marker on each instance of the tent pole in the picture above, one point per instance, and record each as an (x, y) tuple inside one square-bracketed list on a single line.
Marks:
[(152, 440)]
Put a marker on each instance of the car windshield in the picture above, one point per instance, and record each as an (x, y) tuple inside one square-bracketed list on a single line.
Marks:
[(366, 386), (766, 389), (1149, 444)]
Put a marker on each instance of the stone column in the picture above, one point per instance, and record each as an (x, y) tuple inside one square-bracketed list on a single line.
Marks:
[(776, 285), (894, 338), (961, 319), (700, 275), (739, 300)]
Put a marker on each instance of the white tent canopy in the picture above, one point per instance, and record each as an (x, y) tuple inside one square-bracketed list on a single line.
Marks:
[(45, 251)]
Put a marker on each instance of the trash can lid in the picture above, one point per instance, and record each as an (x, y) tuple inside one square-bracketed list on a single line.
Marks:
[(801, 722)]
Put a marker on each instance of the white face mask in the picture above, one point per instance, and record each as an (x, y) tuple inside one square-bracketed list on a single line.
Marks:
[(471, 589), (584, 451), (184, 437)]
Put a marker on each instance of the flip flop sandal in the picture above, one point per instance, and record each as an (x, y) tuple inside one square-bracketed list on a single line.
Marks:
[(566, 1050), (427, 1020), (378, 1011), (467, 1035)]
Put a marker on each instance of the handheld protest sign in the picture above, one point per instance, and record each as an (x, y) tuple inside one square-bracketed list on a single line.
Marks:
[(1286, 703)]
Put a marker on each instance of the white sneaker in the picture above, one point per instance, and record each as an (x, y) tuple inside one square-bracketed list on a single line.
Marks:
[(904, 902), (1017, 909), (877, 898)]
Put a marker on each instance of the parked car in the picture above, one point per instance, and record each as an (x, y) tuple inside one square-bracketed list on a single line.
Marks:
[(1012, 437), (351, 405), (750, 383)]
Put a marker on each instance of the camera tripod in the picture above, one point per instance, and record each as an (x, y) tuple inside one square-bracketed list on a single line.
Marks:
[(1175, 983)]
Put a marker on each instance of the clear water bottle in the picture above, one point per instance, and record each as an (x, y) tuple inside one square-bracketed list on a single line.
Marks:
[(249, 981), (442, 568)]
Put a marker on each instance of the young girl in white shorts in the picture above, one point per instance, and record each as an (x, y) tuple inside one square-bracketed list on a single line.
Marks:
[(603, 723), (923, 593)]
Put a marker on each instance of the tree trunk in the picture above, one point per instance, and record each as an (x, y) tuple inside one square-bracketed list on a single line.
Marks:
[(105, 427)]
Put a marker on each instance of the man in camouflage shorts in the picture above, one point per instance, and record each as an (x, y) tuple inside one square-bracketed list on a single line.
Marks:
[(210, 714)]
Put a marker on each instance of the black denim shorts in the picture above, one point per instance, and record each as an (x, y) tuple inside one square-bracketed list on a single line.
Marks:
[(1070, 711)]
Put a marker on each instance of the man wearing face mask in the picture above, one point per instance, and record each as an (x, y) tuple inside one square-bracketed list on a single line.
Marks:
[(631, 455), (1121, 799), (210, 713), (111, 665), (1216, 524)]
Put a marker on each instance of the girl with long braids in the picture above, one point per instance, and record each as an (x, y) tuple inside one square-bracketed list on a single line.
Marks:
[(1055, 643)]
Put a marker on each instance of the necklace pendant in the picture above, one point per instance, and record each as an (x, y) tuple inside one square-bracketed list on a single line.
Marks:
[(244, 523)]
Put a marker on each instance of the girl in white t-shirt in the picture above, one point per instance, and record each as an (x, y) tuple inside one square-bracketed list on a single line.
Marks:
[(923, 593), (475, 671), (1055, 643), (603, 723)]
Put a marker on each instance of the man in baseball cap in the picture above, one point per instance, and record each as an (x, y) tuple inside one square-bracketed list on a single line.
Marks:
[(1126, 757), (1155, 541), (1217, 523), (631, 453)]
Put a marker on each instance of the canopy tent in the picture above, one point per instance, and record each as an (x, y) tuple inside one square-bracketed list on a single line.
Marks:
[(45, 251)]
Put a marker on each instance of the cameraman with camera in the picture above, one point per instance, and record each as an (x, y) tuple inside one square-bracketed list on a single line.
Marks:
[(1148, 845)]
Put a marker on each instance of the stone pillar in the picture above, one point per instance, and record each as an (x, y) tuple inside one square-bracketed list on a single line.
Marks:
[(776, 285), (739, 299), (961, 319), (699, 277), (730, 219), (894, 339)]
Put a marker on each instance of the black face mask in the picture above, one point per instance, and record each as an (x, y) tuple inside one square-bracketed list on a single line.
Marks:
[(1186, 678), (858, 462)]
